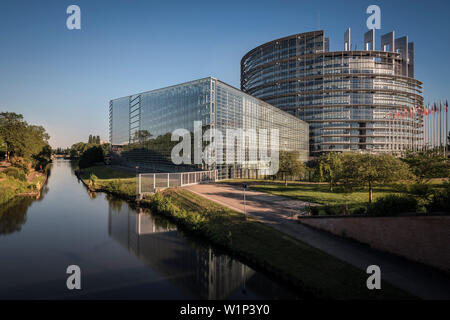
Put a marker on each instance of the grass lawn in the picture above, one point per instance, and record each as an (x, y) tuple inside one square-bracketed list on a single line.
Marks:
[(316, 192), (319, 192), (319, 275)]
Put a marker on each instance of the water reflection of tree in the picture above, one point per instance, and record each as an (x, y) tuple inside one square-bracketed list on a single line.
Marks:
[(114, 203), (13, 214)]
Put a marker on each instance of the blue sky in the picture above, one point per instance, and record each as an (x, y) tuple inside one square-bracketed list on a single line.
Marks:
[(63, 79)]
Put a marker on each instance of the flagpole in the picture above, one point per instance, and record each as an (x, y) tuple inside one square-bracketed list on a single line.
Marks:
[(428, 127), (446, 127), (439, 127), (435, 127), (425, 119)]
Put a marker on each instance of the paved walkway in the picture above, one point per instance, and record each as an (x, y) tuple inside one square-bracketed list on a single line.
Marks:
[(279, 212)]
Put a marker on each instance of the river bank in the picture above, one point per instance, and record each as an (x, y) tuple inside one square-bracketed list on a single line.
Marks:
[(310, 271), (31, 186)]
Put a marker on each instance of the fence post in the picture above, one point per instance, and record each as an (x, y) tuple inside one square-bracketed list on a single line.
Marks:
[(168, 180), (181, 183), (139, 184), (154, 181)]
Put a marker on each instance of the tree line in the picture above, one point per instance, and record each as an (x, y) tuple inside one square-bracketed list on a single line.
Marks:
[(88, 153), (351, 170), (355, 170)]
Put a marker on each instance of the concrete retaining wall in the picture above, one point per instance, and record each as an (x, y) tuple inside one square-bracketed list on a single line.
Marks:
[(425, 239)]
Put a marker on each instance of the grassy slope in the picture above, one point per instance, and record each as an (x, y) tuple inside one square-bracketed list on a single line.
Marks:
[(319, 274), (10, 187), (126, 181)]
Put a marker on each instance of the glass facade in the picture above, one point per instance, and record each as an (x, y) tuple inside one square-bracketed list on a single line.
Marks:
[(141, 125), (353, 100)]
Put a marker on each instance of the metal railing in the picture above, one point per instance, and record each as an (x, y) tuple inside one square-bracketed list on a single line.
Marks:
[(150, 182)]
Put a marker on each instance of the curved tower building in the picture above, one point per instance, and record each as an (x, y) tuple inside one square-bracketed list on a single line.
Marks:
[(354, 100)]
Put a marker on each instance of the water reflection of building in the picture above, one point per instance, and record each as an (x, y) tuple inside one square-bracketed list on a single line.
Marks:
[(195, 269)]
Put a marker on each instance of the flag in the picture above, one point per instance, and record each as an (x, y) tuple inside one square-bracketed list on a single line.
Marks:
[(446, 106)]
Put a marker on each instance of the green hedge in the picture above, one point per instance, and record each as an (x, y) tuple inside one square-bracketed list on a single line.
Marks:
[(393, 205), (440, 200)]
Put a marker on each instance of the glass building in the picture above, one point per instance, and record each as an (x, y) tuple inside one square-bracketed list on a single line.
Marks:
[(141, 126), (354, 100)]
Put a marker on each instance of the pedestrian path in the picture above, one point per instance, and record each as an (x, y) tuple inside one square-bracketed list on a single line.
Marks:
[(279, 212)]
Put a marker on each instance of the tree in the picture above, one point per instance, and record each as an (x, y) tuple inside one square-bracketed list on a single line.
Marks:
[(141, 136), (12, 129), (20, 138), (427, 164), (368, 170), (290, 165), (330, 168), (77, 149), (91, 156), (35, 140), (45, 156), (2, 147)]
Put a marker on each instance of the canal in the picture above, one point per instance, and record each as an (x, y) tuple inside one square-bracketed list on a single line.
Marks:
[(123, 252)]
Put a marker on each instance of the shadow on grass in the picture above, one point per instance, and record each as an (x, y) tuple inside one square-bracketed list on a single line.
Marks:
[(105, 172)]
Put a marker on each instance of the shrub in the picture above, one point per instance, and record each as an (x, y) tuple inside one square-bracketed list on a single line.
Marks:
[(193, 220), (333, 210), (360, 210), (24, 164), (420, 189), (440, 200), (113, 186), (393, 204), (314, 211), (16, 173)]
